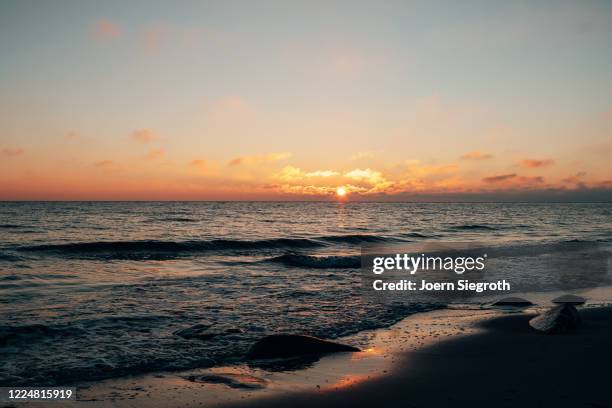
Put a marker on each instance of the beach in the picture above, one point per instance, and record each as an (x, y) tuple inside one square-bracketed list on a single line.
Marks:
[(462, 357), (504, 364)]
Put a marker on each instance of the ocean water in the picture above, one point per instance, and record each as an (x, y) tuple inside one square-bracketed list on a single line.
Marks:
[(94, 290)]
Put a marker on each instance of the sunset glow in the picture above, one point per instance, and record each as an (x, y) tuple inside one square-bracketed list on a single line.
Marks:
[(214, 102), (341, 191)]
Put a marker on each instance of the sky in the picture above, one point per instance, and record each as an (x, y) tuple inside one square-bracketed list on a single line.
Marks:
[(290, 100)]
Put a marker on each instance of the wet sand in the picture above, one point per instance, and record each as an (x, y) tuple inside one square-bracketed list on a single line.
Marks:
[(336, 371), (450, 357), (505, 364)]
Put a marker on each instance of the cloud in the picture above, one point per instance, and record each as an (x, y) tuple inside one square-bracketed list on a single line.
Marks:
[(143, 135), (534, 163), (322, 173), (155, 154), (476, 155), (292, 173), (270, 157), (153, 36), (498, 179), (199, 163), (303, 190), (368, 175), (106, 30), (12, 152), (575, 179), (104, 163), (530, 180)]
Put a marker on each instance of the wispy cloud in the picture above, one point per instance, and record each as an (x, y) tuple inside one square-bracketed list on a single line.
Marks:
[(105, 29), (499, 179), (535, 163), (153, 37), (476, 155), (270, 157), (143, 135), (104, 163), (155, 154), (199, 163), (12, 152), (576, 179)]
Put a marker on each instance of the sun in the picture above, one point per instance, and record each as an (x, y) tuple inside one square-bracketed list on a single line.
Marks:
[(341, 191)]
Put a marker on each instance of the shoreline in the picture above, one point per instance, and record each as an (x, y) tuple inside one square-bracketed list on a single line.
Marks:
[(330, 372), (503, 363), (390, 357)]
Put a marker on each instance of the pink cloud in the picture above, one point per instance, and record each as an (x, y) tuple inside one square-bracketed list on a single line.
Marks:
[(476, 155), (12, 152), (143, 135), (153, 37), (535, 163), (104, 163), (106, 30), (155, 154)]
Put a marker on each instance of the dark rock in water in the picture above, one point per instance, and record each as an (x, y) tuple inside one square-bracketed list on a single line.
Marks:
[(292, 345), (206, 331), (513, 301), (560, 319), (570, 299)]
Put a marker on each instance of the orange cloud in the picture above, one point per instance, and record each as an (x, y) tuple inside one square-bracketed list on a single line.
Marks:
[(143, 135), (155, 154), (498, 179), (534, 163), (322, 173), (576, 179), (104, 163), (270, 157), (12, 152), (199, 163), (368, 175), (292, 173), (106, 30), (476, 155)]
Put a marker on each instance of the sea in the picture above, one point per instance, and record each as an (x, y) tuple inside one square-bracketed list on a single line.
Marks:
[(98, 290)]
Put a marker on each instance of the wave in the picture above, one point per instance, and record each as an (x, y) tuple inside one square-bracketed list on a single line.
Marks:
[(162, 250), (318, 262), (415, 235), (355, 238), (473, 227), (10, 258), (178, 219)]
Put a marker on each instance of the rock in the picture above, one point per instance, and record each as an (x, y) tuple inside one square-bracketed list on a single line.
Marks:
[(570, 299), (513, 301), (292, 345), (560, 319)]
